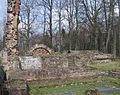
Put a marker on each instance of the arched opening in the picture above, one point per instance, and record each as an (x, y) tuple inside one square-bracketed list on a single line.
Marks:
[(38, 50)]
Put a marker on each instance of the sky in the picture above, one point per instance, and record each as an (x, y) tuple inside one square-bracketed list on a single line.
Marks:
[(3, 6)]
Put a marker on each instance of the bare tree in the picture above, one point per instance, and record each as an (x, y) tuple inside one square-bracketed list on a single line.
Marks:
[(89, 24), (70, 14), (48, 6), (59, 9), (76, 17), (119, 24), (92, 10), (28, 18)]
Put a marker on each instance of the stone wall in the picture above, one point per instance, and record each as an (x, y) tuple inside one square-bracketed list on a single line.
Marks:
[(54, 62), (16, 88), (41, 49), (39, 68), (3, 56), (45, 68), (60, 66), (43, 62), (11, 34), (30, 62)]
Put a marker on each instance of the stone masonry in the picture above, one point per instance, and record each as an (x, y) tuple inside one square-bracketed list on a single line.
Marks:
[(11, 35), (38, 50)]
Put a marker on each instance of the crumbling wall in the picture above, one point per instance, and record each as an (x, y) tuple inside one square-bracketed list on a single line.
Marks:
[(3, 56), (11, 34), (30, 62), (16, 88), (39, 68), (54, 62), (39, 50), (50, 67)]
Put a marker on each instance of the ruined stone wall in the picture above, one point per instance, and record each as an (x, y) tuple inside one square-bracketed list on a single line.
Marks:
[(39, 68), (11, 35), (16, 88), (40, 50), (46, 68), (3, 56), (50, 67)]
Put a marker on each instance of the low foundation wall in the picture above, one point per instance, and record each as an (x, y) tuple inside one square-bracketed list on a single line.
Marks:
[(16, 88), (50, 67)]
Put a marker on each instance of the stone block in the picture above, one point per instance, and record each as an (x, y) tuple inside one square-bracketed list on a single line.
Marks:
[(3, 56), (30, 62)]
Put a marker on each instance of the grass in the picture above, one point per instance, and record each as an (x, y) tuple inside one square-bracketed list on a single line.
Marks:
[(113, 65), (0, 60), (78, 87), (53, 90), (73, 86), (113, 93)]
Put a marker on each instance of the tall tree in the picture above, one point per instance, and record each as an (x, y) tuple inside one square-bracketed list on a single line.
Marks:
[(118, 1), (76, 17), (28, 19), (70, 14), (59, 9), (92, 10), (49, 8)]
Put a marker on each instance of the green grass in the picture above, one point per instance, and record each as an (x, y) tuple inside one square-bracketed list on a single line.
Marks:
[(52, 90), (113, 93), (113, 65), (0, 60), (73, 86), (79, 86)]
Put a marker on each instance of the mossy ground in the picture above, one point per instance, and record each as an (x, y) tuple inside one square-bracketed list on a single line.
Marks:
[(113, 65), (77, 87)]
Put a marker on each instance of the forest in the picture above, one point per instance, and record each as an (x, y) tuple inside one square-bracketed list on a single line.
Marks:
[(70, 25), (60, 47)]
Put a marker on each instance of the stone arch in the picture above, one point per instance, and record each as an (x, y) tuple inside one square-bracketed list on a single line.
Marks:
[(38, 50)]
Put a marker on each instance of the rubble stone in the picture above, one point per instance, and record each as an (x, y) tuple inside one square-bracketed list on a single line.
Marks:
[(11, 34), (38, 50)]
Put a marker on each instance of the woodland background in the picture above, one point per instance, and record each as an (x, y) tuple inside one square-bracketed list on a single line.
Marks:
[(69, 25)]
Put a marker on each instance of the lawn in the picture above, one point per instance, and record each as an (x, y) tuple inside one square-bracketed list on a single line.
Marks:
[(113, 65), (78, 87)]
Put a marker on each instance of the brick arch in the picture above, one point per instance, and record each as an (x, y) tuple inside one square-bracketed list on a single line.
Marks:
[(38, 50)]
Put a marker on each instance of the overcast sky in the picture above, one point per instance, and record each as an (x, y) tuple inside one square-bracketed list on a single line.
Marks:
[(2, 9)]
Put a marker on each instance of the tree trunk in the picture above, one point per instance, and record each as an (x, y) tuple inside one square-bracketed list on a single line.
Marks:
[(60, 32), (119, 25), (76, 16), (109, 31), (28, 29), (50, 18), (113, 29)]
